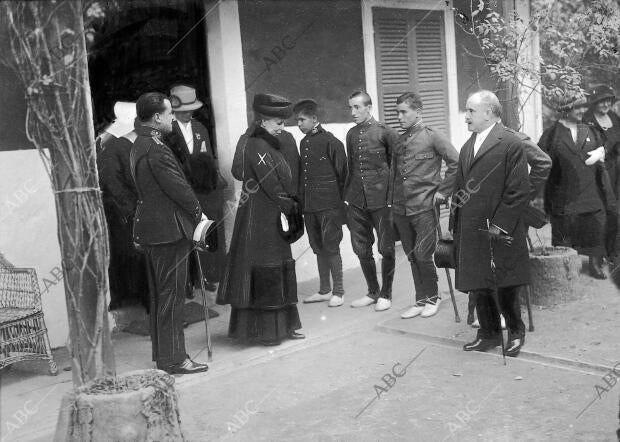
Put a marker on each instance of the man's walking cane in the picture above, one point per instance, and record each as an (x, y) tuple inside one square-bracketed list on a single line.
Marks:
[(204, 307), (528, 291), (457, 318), (201, 243), (494, 293)]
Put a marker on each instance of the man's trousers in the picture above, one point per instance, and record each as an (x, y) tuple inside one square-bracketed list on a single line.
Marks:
[(325, 234), (361, 223), (488, 315), (168, 272), (418, 236)]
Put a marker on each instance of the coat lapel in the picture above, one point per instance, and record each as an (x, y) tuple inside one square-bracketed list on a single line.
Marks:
[(468, 154), (490, 141)]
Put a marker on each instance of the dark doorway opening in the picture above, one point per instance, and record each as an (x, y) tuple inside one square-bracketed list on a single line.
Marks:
[(144, 46)]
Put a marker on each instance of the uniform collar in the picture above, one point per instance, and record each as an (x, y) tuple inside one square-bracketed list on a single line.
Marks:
[(415, 128), (316, 130), (368, 123), (147, 131)]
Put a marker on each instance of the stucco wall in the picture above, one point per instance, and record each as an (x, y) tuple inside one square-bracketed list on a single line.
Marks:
[(28, 235)]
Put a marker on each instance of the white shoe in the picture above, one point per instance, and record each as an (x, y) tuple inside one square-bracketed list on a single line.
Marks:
[(335, 301), (413, 311), (503, 322), (430, 309), (383, 304), (363, 302), (475, 324), (317, 297)]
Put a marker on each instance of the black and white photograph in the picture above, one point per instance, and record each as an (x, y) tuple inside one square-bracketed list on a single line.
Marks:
[(309, 220)]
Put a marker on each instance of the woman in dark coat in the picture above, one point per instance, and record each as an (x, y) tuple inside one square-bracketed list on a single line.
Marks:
[(602, 118), (259, 279), (575, 193)]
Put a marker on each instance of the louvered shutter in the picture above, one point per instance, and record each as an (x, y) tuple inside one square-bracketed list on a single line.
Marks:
[(394, 68), (430, 79), (411, 55)]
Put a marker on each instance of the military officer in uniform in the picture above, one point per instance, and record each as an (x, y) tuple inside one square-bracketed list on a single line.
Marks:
[(369, 154), (166, 216)]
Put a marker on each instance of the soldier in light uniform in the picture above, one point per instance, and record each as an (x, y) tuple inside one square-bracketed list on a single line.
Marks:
[(370, 145), (416, 191)]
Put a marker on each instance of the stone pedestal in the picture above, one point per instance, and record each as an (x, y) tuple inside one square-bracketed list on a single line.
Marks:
[(554, 271), (138, 406)]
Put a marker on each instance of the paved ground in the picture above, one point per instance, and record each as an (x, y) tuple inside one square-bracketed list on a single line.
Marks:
[(314, 389)]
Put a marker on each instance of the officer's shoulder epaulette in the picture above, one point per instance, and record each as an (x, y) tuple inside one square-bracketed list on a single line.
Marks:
[(157, 140), (512, 131)]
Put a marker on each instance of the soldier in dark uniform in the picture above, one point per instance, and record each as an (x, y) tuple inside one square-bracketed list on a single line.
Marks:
[(369, 151), (417, 188), (166, 216), (322, 182)]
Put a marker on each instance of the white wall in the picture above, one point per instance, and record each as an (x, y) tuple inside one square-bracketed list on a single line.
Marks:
[(28, 234)]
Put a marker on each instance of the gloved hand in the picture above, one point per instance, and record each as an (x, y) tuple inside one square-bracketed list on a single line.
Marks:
[(438, 199), (595, 156), (495, 234)]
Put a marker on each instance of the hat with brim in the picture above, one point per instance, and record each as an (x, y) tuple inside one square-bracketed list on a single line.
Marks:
[(444, 255), (601, 93), (571, 101), (273, 106), (183, 99)]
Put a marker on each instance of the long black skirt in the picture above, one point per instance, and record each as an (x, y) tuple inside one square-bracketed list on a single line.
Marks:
[(263, 325), (583, 232)]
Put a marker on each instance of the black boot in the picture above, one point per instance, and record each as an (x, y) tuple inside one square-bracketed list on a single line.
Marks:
[(387, 277), (369, 268), (596, 267)]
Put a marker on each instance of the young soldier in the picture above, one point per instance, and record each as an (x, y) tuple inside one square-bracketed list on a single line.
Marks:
[(323, 174), (369, 150), (416, 189)]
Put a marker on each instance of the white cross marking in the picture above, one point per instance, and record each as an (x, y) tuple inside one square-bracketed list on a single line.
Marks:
[(262, 159)]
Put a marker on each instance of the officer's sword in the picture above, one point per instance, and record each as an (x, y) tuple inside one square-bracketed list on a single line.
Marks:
[(204, 306)]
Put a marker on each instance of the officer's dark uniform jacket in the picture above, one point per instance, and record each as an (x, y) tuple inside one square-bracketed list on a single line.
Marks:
[(324, 171), (369, 151), (416, 170), (168, 211)]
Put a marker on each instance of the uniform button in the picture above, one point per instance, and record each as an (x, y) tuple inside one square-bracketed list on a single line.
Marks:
[(137, 219)]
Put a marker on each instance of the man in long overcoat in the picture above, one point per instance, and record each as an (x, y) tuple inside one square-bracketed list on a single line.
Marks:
[(491, 192)]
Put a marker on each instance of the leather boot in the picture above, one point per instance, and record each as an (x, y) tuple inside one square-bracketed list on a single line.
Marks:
[(596, 267), (387, 277), (369, 268)]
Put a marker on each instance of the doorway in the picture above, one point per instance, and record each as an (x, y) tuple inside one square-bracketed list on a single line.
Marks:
[(146, 46)]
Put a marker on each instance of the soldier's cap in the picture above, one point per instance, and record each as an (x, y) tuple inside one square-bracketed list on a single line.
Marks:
[(273, 106), (600, 93)]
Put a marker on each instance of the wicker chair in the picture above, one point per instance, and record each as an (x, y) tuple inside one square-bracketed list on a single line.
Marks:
[(23, 335)]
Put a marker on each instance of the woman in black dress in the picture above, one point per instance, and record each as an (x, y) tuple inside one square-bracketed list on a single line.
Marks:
[(602, 118), (259, 279), (575, 193)]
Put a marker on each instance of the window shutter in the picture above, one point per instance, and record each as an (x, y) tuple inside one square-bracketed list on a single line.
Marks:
[(411, 55), (393, 60), (430, 77)]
